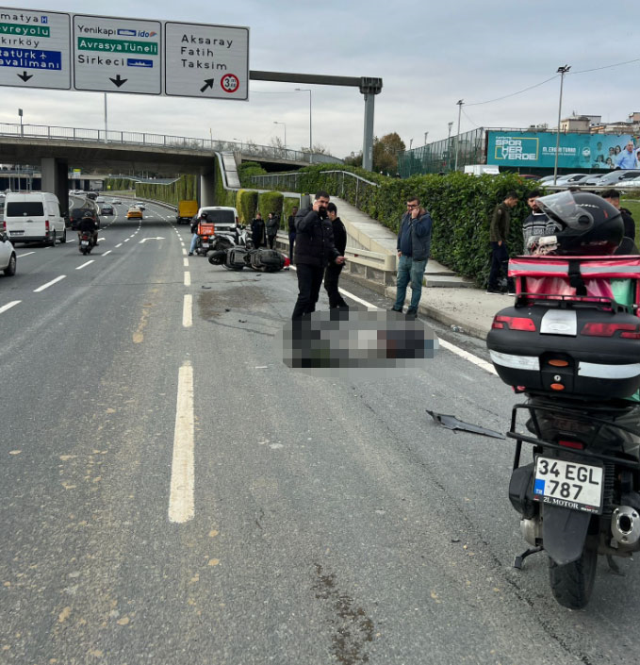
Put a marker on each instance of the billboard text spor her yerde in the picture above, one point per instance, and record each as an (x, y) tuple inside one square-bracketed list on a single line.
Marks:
[(577, 151)]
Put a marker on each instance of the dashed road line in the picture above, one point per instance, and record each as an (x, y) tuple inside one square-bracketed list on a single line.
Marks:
[(84, 265), (187, 278), (181, 496), (120, 245), (109, 252), (21, 256), (187, 311), (9, 305), (48, 284)]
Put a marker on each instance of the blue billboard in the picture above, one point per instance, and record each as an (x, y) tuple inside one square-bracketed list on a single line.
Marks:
[(577, 151)]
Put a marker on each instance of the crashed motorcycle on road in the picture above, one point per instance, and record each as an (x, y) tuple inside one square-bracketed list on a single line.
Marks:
[(571, 344), (239, 257)]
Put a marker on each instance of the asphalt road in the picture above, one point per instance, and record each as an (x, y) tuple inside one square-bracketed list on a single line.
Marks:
[(171, 493)]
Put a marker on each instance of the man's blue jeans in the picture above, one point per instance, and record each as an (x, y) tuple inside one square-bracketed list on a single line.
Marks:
[(409, 271), (194, 240)]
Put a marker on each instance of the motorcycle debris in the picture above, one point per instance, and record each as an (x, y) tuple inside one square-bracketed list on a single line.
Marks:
[(242, 320), (451, 422), (206, 287)]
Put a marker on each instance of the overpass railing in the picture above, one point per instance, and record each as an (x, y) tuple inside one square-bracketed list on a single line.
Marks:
[(49, 132), (348, 186)]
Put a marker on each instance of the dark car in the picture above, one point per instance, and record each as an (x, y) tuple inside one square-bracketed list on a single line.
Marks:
[(76, 215), (106, 210)]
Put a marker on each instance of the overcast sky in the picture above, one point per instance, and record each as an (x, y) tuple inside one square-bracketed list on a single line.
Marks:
[(429, 55)]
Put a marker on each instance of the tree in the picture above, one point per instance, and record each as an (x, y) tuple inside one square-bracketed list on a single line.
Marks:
[(385, 153), (354, 159)]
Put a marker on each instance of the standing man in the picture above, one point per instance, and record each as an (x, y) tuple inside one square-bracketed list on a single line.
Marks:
[(314, 250), (292, 232), (498, 237), (613, 197), (333, 270), (537, 224), (257, 231), (627, 158), (272, 230), (414, 246)]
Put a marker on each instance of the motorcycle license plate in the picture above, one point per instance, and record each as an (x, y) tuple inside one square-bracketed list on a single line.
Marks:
[(569, 484), (205, 245), (85, 243)]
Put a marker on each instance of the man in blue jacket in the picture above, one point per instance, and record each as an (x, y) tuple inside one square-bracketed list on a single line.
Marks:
[(414, 245)]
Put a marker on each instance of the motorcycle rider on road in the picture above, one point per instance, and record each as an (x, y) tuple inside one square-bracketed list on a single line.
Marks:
[(88, 225), (194, 230)]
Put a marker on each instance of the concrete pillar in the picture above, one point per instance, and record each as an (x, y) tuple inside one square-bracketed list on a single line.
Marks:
[(55, 179), (369, 87), (207, 190)]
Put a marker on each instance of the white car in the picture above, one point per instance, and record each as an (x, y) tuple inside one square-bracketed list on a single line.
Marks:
[(7, 256), (141, 206), (117, 202), (100, 199)]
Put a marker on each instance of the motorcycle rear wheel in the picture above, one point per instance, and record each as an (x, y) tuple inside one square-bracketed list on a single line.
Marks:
[(572, 583)]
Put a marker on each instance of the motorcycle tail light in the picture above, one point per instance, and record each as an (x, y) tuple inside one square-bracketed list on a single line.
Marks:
[(610, 329), (576, 445), (514, 323), (557, 386)]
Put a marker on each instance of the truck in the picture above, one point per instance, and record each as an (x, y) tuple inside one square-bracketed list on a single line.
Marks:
[(186, 211), (481, 169)]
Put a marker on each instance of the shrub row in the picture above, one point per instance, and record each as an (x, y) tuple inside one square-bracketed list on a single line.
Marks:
[(119, 184), (461, 207), (185, 188)]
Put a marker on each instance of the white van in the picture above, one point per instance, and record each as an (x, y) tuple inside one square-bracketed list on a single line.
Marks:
[(33, 217), (222, 217)]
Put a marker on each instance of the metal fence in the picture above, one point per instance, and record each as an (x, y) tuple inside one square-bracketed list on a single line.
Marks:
[(440, 156), (348, 186), (16, 130)]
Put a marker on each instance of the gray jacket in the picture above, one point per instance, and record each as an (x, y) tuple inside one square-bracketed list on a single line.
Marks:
[(421, 228)]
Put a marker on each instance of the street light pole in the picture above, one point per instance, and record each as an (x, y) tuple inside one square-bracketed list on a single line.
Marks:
[(459, 103), (562, 71), (21, 125), (310, 124), (450, 125), (425, 137), (275, 122)]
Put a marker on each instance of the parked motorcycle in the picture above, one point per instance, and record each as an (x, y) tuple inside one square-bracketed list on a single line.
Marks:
[(260, 260), (571, 343)]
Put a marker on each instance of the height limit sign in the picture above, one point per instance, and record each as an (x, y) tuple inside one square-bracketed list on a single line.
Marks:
[(207, 61)]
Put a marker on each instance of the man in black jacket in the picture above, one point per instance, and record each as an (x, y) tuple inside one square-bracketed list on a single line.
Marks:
[(333, 270), (257, 231), (613, 197), (292, 232), (88, 225), (314, 250)]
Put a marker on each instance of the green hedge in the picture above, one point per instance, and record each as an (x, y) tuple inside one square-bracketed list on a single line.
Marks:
[(184, 188), (461, 206), (222, 196), (270, 202), (248, 169), (246, 205), (287, 209)]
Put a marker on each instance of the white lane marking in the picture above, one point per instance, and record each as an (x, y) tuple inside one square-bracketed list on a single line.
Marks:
[(185, 262), (9, 305), (368, 305), (120, 245), (84, 265), (187, 311), (181, 496), (187, 278), (48, 284), (184, 251), (109, 252), (99, 239), (20, 256), (482, 364), (126, 239)]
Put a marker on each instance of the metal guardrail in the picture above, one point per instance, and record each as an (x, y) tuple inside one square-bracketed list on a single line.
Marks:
[(49, 132), (348, 186)]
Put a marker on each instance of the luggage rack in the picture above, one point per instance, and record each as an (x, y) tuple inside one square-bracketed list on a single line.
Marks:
[(571, 301), (558, 410)]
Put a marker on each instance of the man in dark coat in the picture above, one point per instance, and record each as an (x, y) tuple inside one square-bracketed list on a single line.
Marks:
[(499, 233), (333, 270), (273, 223), (613, 197), (314, 250), (257, 231), (292, 232)]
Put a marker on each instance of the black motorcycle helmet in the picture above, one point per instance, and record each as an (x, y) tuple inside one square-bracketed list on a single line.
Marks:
[(586, 224), (204, 216), (87, 215)]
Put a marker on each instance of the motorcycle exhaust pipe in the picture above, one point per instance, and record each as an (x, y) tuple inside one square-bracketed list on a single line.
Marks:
[(625, 526)]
